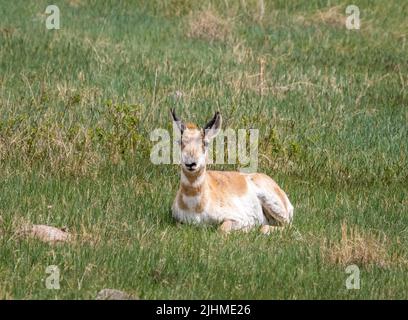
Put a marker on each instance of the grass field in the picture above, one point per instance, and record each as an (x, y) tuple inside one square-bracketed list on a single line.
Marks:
[(77, 106)]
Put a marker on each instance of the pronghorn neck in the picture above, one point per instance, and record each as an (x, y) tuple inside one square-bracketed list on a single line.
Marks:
[(193, 179), (193, 195)]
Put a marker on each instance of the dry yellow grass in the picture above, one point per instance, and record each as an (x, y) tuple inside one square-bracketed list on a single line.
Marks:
[(208, 25), (75, 3), (333, 16), (358, 247)]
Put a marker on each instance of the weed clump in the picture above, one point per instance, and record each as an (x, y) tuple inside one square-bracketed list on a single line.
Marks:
[(358, 247), (73, 148), (208, 25)]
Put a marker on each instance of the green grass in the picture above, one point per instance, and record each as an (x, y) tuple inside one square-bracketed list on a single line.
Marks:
[(77, 106)]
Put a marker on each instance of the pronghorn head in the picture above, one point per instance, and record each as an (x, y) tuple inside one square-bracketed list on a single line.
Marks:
[(194, 142)]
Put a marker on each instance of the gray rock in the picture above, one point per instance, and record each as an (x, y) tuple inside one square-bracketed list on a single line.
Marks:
[(45, 233), (113, 294)]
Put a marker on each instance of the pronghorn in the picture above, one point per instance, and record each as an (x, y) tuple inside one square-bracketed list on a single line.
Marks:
[(234, 200)]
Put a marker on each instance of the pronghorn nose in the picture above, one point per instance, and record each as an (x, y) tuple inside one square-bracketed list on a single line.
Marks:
[(191, 165)]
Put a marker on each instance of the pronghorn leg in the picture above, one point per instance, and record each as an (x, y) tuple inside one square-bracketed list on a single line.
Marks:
[(267, 229), (275, 204), (229, 225), (226, 227), (275, 210)]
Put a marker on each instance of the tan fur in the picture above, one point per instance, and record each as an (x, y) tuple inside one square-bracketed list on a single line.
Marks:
[(180, 202), (224, 185), (186, 191), (189, 190), (219, 186), (190, 125)]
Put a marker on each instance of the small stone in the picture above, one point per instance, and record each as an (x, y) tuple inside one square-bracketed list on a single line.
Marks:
[(178, 95), (46, 233), (113, 294)]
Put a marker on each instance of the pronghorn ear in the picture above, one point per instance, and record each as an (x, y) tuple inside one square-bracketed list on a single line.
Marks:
[(180, 124), (213, 127)]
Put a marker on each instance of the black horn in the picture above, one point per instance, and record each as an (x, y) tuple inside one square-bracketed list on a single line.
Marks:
[(177, 120), (214, 121)]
